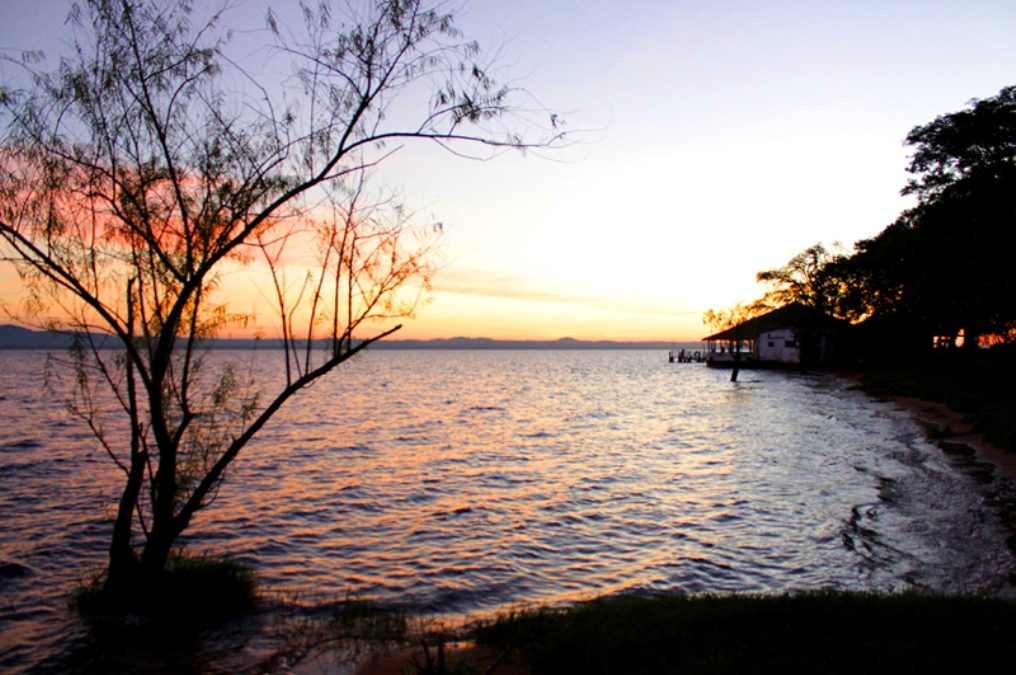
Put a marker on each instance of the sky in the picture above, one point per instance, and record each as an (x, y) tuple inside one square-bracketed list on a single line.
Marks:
[(719, 138)]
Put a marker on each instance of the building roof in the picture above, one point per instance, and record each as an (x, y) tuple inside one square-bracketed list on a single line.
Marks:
[(794, 315)]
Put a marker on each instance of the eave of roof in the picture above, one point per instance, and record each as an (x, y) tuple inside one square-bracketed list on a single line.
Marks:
[(790, 316)]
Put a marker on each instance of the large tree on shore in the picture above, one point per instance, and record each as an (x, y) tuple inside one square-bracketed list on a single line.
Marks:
[(943, 267), (150, 165), (945, 264), (805, 279)]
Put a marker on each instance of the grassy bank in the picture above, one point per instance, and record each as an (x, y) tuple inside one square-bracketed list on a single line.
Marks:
[(981, 385), (194, 587), (814, 633)]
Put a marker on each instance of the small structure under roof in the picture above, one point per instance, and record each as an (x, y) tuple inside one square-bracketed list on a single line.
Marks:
[(794, 335)]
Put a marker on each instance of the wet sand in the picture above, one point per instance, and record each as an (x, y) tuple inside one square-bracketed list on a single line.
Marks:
[(955, 431)]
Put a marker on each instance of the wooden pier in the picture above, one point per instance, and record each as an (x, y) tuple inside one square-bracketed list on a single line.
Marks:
[(686, 356)]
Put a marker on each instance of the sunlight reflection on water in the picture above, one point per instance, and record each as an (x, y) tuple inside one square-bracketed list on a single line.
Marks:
[(462, 482)]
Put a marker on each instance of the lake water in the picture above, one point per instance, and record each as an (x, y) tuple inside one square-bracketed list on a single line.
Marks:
[(463, 482)]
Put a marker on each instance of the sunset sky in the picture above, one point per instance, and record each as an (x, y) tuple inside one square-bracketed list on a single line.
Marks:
[(723, 138)]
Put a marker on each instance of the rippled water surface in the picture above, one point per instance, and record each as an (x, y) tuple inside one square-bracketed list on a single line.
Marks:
[(462, 482)]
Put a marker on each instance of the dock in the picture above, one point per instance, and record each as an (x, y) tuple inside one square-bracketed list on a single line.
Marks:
[(686, 356)]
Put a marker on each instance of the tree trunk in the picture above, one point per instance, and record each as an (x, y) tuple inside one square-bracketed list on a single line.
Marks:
[(121, 555), (156, 553)]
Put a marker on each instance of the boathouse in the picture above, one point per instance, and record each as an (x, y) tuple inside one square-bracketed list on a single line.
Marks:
[(794, 335)]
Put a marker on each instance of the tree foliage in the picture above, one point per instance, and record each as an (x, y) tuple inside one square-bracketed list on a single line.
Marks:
[(976, 145), (805, 279), (150, 164), (722, 319), (944, 265), (943, 268)]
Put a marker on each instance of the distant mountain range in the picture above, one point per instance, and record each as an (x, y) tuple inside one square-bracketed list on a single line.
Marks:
[(16, 337)]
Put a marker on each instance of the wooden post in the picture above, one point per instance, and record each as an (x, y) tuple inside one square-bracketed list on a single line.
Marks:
[(735, 352)]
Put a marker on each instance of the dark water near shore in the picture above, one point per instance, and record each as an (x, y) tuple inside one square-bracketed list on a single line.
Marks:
[(465, 482)]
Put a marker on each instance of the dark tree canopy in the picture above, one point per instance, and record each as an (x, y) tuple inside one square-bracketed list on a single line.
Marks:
[(804, 279), (947, 262), (811, 278), (976, 145), (943, 268)]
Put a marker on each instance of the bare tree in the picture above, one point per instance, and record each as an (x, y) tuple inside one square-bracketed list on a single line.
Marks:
[(149, 164)]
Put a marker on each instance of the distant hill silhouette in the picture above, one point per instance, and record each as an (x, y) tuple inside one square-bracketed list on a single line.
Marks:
[(490, 343), (16, 337)]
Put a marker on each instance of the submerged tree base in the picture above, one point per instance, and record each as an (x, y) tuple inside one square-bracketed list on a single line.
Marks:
[(192, 587), (828, 632)]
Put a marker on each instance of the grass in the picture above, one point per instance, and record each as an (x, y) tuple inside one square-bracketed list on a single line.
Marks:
[(193, 586), (813, 633), (827, 632), (195, 618), (982, 385), (347, 630)]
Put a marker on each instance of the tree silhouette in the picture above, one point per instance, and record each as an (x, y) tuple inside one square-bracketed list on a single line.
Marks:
[(805, 279), (973, 146), (944, 265), (149, 166), (942, 269)]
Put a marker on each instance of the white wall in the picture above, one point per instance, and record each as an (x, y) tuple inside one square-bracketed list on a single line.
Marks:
[(779, 345)]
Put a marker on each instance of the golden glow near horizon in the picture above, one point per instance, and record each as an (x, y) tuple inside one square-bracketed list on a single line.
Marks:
[(723, 138)]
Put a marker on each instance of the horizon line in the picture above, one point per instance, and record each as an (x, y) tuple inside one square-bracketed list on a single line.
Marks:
[(33, 335)]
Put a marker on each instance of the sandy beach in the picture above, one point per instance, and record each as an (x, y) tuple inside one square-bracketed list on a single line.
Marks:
[(956, 429)]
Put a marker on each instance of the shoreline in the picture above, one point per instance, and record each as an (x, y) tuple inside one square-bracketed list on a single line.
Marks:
[(944, 426), (955, 432), (951, 430), (947, 427)]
